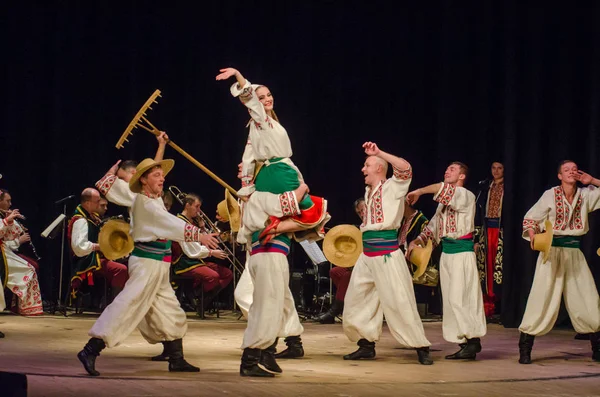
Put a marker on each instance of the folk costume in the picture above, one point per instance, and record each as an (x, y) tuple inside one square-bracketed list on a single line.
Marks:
[(18, 276), (452, 226), (566, 273), (8, 231), (188, 262), (83, 231), (489, 234), (269, 148), (148, 301), (263, 292), (381, 284)]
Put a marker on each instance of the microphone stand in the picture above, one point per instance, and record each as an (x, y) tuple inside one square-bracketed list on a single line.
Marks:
[(60, 306)]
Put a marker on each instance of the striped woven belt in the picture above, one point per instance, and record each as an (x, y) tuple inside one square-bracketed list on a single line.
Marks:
[(379, 242), (279, 244), (159, 250)]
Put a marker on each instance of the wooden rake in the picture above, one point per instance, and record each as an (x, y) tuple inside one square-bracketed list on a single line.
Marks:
[(141, 120)]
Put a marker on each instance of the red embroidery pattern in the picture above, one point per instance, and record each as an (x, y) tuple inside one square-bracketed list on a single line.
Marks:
[(10, 231), (246, 94), (104, 184), (562, 210), (426, 234), (576, 222), (564, 218), (402, 174), (191, 233), (288, 204), (376, 207), (246, 181), (495, 200), (446, 194), (450, 221), (268, 121), (29, 297), (530, 224)]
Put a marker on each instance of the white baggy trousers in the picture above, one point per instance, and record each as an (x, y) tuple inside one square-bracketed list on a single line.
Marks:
[(462, 298), (264, 296), (147, 302), (382, 286), (565, 274)]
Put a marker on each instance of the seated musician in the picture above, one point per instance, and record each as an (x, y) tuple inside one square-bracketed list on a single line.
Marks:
[(17, 244), (88, 263), (187, 261), (18, 275)]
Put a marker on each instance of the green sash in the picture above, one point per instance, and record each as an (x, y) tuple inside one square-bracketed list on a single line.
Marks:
[(156, 250), (566, 241), (456, 246)]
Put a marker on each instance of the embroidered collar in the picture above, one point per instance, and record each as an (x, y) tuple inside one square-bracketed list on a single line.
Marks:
[(372, 191), (150, 195)]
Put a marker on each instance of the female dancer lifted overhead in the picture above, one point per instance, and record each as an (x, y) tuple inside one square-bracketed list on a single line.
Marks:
[(267, 167)]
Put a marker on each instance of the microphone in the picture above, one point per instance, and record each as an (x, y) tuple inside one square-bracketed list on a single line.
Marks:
[(483, 182), (65, 199)]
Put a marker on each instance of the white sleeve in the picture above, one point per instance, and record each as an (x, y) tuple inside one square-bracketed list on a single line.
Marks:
[(429, 231), (456, 197), (535, 217), (12, 245), (248, 166), (194, 250), (261, 205), (592, 195), (79, 238), (247, 95), (401, 179), (116, 190), (163, 225), (9, 231)]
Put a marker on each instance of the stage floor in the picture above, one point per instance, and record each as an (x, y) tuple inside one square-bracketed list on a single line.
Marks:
[(45, 349)]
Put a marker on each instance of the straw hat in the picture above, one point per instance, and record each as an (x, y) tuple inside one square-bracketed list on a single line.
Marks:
[(114, 239), (543, 241), (343, 245), (146, 164), (420, 258)]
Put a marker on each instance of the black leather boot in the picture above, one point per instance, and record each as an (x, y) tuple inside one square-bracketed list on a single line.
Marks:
[(337, 307), (365, 350), (423, 353), (468, 352), (89, 353), (294, 348), (595, 341), (162, 356), (249, 365), (579, 336), (1, 334), (174, 350), (525, 346), (267, 358)]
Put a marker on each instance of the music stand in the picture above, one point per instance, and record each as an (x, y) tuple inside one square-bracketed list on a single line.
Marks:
[(50, 232), (315, 254)]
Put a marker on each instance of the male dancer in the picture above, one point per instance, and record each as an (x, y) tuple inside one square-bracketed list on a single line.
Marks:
[(381, 283), (566, 273), (262, 292), (147, 301), (453, 225)]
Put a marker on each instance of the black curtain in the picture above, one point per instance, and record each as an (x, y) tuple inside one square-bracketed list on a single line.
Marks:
[(433, 82)]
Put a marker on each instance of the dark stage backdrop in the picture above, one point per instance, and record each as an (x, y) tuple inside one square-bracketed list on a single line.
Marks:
[(432, 82)]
